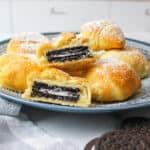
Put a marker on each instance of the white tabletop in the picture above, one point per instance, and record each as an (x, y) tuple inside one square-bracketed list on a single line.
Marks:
[(81, 128)]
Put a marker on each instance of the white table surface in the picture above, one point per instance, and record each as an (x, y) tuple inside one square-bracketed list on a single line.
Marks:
[(81, 128)]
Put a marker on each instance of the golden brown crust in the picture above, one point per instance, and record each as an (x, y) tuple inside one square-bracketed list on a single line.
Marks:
[(26, 43), (54, 76), (74, 65), (77, 73), (14, 70), (42, 50), (67, 39), (102, 35), (48, 74), (112, 80), (63, 39), (133, 57)]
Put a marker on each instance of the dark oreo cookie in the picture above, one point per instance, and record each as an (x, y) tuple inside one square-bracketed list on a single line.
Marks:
[(135, 122), (54, 91), (122, 140), (91, 145), (133, 135), (68, 54), (129, 139)]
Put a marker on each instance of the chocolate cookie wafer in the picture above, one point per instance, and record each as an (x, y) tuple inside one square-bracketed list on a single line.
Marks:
[(69, 58), (121, 140)]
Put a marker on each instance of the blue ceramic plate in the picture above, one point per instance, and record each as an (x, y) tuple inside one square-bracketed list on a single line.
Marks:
[(141, 99)]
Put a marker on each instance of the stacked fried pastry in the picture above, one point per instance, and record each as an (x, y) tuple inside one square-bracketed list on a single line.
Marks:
[(26, 43), (74, 69)]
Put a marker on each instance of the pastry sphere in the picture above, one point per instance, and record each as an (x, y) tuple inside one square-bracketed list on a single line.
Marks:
[(102, 35), (133, 57), (14, 70), (112, 80), (26, 43)]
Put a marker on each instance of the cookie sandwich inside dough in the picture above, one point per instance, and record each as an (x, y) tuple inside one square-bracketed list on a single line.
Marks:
[(41, 89), (55, 86), (68, 54), (66, 58)]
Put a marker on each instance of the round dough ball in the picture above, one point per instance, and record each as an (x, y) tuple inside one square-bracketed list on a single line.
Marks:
[(112, 80), (14, 70), (133, 57), (102, 35)]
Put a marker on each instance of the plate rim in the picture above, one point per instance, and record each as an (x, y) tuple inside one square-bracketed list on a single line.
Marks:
[(71, 109), (55, 33)]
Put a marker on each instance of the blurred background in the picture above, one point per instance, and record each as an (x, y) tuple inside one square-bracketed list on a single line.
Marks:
[(69, 15)]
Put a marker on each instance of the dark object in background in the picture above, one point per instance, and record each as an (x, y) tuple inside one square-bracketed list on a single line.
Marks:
[(133, 135), (135, 122)]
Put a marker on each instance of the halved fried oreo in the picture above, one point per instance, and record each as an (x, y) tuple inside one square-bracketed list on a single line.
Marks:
[(59, 92), (71, 58), (55, 86), (68, 54)]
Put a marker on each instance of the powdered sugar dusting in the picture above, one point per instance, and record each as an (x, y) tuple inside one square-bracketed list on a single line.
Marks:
[(104, 29), (95, 25), (31, 37), (30, 41), (56, 40), (113, 32), (140, 99), (109, 61), (30, 46), (116, 66)]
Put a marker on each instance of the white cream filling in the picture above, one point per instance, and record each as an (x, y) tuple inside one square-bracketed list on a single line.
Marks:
[(67, 54), (58, 93)]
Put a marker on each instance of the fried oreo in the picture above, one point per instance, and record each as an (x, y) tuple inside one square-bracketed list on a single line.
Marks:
[(69, 58), (55, 86)]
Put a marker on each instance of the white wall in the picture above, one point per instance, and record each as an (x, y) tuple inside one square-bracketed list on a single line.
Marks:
[(69, 15)]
